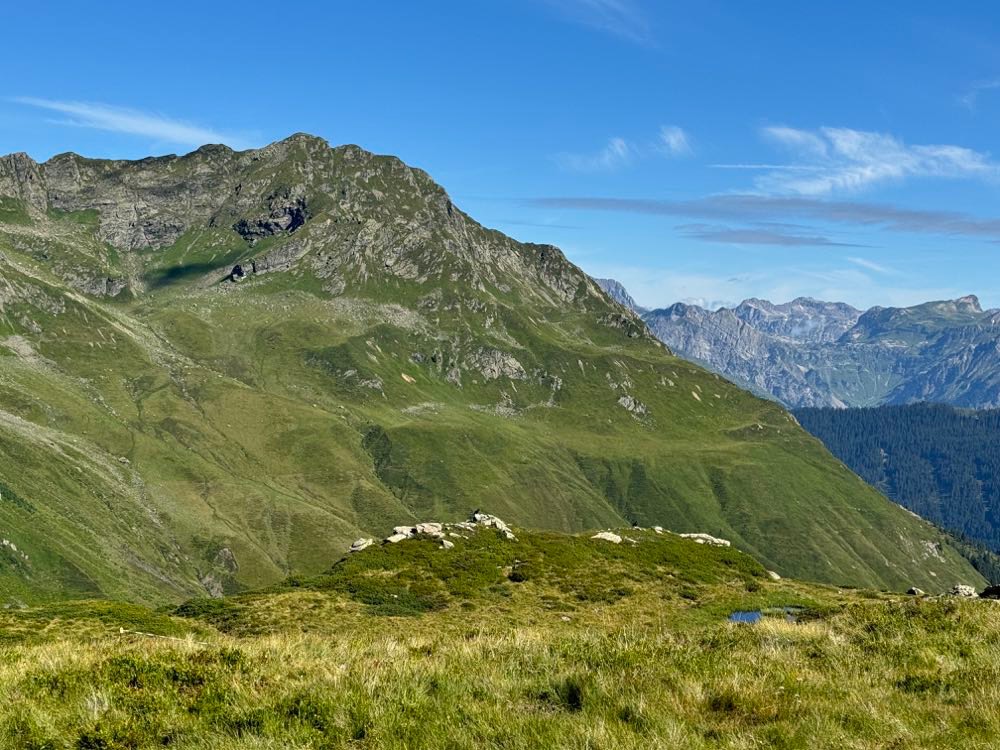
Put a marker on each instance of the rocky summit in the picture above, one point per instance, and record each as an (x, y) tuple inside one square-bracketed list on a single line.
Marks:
[(808, 353), (222, 368)]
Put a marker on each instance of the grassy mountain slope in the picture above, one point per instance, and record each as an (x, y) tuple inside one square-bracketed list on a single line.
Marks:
[(547, 641), (173, 425)]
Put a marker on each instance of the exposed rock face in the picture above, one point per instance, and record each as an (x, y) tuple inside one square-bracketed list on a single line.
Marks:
[(21, 179), (494, 364), (811, 353)]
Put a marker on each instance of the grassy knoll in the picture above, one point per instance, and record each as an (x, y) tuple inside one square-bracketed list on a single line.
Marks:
[(549, 641)]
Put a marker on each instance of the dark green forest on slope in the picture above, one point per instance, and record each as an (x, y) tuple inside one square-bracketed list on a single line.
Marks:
[(940, 462)]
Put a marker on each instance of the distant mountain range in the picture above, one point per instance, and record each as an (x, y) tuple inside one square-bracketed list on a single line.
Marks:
[(809, 353)]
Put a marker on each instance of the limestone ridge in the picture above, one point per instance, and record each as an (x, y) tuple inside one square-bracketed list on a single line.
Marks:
[(812, 353)]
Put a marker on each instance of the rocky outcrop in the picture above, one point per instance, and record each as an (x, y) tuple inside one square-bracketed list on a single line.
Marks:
[(21, 179), (963, 591), (440, 532), (493, 364), (701, 538), (286, 212), (633, 406)]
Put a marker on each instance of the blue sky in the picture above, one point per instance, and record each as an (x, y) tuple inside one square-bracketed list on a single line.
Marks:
[(702, 151)]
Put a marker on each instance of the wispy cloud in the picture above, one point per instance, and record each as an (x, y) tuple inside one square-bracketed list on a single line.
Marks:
[(621, 18), (756, 208), (617, 153), (131, 121), (837, 160), (970, 97), (871, 265), (760, 234), (674, 141)]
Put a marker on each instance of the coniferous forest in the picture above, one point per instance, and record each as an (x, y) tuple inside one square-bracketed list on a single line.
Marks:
[(940, 462)]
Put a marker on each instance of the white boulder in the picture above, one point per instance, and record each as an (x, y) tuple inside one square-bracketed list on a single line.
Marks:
[(608, 536), (361, 544)]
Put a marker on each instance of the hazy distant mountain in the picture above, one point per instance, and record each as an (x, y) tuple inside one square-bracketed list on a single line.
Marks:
[(619, 294), (812, 353)]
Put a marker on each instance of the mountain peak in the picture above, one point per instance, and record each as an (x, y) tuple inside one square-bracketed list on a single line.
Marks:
[(617, 291), (971, 302)]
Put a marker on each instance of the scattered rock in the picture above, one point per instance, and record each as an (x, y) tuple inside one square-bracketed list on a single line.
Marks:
[(633, 406), (963, 591), (914, 591), (485, 519), (361, 544), (608, 536), (437, 530), (707, 539)]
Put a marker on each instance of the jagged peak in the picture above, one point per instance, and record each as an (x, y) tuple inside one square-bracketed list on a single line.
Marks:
[(970, 300)]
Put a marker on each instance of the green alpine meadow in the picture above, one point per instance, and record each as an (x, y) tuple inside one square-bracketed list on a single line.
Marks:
[(542, 641)]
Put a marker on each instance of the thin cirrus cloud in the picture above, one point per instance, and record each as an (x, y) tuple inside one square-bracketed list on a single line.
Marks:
[(842, 160), (624, 19), (772, 234), (672, 142), (616, 154), (765, 208), (871, 265), (130, 121), (970, 97)]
